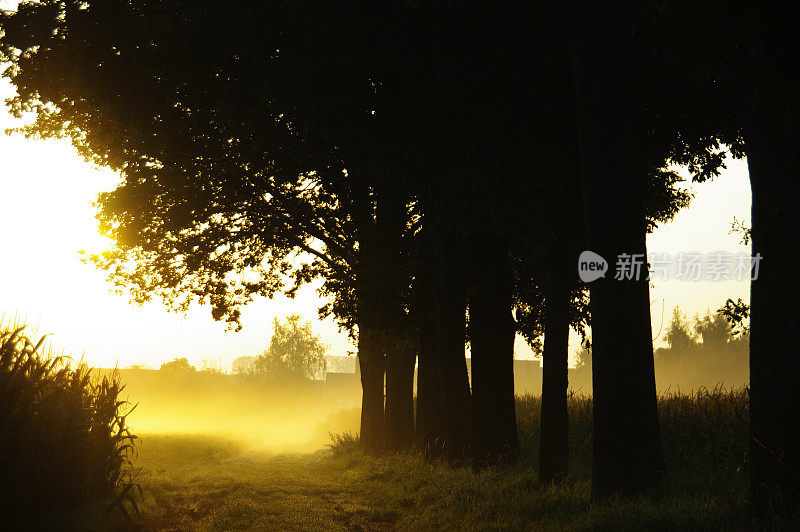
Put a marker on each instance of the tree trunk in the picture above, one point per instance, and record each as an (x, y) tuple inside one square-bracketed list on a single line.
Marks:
[(451, 306), (372, 364), (774, 364), (430, 410), (627, 453), (492, 331), (400, 361), (554, 442)]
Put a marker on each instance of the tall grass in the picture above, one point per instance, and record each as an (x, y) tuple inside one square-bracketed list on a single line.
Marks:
[(63, 435), (704, 435)]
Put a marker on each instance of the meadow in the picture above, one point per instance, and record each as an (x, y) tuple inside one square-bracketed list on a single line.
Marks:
[(202, 482)]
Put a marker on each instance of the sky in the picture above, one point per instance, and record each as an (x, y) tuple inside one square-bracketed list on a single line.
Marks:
[(47, 218)]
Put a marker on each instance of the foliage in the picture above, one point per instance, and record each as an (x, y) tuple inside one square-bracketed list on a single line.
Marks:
[(218, 187), (713, 329), (213, 365), (737, 313), (294, 353), (679, 335), (583, 356), (664, 199), (64, 440), (313, 138), (342, 443), (744, 231), (241, 365), (178, 365), (706, 349)]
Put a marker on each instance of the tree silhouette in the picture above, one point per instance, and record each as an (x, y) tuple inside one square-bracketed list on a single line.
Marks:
[(627, 456)]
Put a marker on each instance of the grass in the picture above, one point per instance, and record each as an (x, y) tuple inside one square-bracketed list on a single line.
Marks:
[(195, 482)]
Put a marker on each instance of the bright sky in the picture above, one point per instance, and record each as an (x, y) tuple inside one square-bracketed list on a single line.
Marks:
[(46, 218)]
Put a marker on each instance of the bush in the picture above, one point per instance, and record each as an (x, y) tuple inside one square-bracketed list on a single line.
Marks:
[(343, 443), (63, 436)]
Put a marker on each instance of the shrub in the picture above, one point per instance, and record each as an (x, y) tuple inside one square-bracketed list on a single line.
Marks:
[(343, 443), (63, 435)]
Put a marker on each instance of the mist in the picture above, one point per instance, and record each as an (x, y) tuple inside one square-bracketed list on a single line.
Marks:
[(275, 417)]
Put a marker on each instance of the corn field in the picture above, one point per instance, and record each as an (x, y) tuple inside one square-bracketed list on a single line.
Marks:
[(63, 435)]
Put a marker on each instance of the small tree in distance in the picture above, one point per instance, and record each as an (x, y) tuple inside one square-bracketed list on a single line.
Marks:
[(213, 365), (294, 353), (242, 365), (178, 364), (679, 333)]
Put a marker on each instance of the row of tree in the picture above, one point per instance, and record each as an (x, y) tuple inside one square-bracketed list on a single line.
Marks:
[(439, 165)]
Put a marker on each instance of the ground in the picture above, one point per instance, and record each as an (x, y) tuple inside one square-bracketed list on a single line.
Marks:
[(199, 482)]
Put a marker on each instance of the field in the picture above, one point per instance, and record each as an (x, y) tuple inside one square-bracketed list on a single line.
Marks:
[(201, 482)]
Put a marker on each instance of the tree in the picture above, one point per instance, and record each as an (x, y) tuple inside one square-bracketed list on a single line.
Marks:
[(178, 365), (627, 454), (242, 365), (736, 60), (492, 332), (429, 428), (713, 329), (295, 353), (583, 356), (679, 335), (772, 135), (702, 352)]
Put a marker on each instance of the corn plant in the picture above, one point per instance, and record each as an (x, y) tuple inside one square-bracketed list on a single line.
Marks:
[(64, 440)]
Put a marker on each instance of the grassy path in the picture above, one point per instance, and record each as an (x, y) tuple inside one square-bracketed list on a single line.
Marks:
[(203, 483), (206, 483)]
